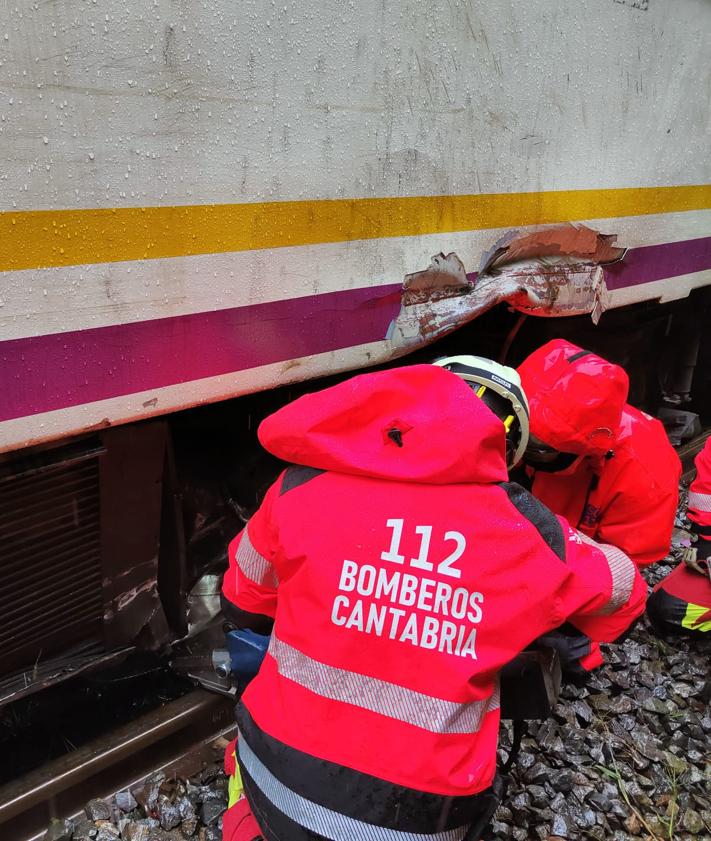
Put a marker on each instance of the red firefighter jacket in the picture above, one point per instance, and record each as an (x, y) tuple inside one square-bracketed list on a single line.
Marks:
[(699, 510), (403, 571), (682, 600), (624, 488)]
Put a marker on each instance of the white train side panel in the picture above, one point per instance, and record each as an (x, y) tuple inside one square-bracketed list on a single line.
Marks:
[(202, 200)]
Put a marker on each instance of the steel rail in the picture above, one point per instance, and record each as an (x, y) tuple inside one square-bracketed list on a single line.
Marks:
[(174, 738)]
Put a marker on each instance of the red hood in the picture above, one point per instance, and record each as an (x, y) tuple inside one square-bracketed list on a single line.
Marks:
[(448, 435), (575, 397)]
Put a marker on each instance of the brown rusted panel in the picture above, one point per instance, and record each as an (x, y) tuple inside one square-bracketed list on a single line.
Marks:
[(131, 494)]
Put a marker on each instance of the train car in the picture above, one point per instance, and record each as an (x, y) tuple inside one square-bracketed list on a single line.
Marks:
[(201, 203)]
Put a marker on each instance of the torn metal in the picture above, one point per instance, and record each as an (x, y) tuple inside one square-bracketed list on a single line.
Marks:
[(138, 613), (570, 241), (55, 670), (552, 272)]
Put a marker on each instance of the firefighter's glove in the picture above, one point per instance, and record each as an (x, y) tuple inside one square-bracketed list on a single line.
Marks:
[(689, 556)]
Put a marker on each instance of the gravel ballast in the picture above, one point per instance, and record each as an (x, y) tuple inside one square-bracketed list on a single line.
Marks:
[(161, 809), (629, 755)]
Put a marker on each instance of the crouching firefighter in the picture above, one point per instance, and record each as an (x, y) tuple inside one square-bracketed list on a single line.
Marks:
[(681, 602), (399, 571), (605, 466)]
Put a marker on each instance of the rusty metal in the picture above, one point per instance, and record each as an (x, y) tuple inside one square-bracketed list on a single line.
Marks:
[(552, 272), (567, 240), (172, 739)]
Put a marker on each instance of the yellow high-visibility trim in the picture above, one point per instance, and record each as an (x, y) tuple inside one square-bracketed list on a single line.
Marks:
[(235, 788), (694, 612), (480, 391), (42, 238), (507, 423)]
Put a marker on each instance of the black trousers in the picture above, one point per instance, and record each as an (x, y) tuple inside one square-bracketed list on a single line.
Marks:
[(276, 826)]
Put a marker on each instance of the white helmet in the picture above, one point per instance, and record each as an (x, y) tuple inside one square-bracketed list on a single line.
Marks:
[(500, 388)]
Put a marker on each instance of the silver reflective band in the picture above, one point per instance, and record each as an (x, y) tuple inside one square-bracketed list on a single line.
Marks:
[(622, 570), (321, 820), (255, 566), (379, 696), (623, 573), (701, 502)]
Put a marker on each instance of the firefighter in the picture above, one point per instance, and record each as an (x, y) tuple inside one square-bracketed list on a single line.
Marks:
[(681, 602), (389, 561), (606, 467)]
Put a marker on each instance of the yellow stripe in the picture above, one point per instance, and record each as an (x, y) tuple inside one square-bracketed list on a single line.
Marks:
[(692, 618), (42, 238), (235, 787)]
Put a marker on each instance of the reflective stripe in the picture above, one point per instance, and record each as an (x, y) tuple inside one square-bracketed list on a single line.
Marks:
[(321, 820), (255, 566), (235, 788), (699, 501), (697, 618), (623, 573), (379, 696)]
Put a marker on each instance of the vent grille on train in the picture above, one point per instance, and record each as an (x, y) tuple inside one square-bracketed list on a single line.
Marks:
[(50, 562)]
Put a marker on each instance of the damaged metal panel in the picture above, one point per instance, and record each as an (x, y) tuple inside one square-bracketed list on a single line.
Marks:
[(567, 241), (555, 271), (57, 669)]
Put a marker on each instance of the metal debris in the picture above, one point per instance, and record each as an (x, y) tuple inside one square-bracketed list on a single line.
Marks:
[(572, 241), (554, 271)]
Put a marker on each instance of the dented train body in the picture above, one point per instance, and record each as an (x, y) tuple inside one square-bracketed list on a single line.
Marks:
[(199, 204)]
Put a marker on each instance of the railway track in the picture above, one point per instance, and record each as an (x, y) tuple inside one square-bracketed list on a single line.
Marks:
[(175, 738)]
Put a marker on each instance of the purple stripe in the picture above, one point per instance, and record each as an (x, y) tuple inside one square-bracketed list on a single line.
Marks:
[(657, 262), (42, 373)]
